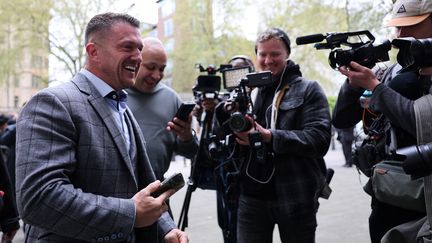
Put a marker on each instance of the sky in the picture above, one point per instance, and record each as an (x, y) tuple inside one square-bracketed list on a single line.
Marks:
[(147, 11), (144, 10)]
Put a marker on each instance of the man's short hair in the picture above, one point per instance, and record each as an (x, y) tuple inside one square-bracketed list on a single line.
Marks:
[(409, 12), (3, 119), (274, 33), (103, 22)]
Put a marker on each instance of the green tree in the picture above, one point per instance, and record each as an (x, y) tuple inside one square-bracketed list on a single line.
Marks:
[(316, 16), (66, 38), (200, 38), (22, 52), (332, 101)]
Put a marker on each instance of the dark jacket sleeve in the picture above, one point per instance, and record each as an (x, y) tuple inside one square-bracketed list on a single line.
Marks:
[(347, 111), (9, 219), (8, 136), (394, 106)]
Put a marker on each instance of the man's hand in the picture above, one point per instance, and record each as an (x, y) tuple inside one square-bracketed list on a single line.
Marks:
[(181, 128), (149, 209), (243, 137), (360, 76), (176, 236), (426, 71), (209, 104)]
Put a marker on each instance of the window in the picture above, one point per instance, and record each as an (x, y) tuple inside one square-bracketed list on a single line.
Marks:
[(16, 79), (167, 8), (36, 80), (37, 61), (169, 45), (169, 68), (168, 27), (16, 101)]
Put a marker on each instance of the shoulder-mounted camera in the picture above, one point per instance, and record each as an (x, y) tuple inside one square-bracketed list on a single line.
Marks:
[(361, 43)]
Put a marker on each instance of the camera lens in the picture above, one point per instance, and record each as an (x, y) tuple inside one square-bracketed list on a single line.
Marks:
[(238, 122)]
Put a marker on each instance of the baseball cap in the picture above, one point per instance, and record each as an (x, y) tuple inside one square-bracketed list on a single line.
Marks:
[(409, 12)]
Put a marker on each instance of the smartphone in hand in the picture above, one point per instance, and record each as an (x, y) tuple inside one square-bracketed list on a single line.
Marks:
[(175, 181), (184, 110)]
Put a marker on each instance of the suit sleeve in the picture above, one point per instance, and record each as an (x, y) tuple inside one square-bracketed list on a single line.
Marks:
[(47, 197)]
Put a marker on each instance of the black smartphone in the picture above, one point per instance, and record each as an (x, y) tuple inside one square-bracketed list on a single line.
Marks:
[(184, 110), (175, 181)]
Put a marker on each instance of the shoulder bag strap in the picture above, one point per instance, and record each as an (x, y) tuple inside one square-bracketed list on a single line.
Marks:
[(423, 115)]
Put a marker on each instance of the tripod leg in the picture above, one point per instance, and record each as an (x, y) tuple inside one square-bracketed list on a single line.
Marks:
[(183, 219)]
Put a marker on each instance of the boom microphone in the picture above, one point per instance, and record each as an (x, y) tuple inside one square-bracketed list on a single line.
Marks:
[(308, 39)]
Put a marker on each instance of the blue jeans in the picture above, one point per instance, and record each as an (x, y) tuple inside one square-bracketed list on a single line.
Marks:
[(257, 218)]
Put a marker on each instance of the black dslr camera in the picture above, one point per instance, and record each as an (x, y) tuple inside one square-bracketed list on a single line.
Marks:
[(238, 105), (362, 52), (413, 53)]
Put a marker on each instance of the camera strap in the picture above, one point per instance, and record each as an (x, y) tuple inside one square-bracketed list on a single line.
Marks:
[(279, 97), (254, 177)]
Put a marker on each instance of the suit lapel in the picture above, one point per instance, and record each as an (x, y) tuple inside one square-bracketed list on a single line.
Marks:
[(101, 107), (146, 174)]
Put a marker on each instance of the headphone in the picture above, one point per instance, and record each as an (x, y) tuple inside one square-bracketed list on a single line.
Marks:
[(245, 59), (282, 36)]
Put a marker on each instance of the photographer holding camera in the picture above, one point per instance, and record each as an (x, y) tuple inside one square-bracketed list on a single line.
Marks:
[(226, 154), (284, 171), (393, 97)]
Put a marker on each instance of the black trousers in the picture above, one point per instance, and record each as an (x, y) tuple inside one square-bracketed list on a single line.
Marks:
[(384, 217)]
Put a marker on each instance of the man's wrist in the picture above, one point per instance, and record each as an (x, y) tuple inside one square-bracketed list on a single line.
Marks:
[(375, 82), (189, 139), (375, 87), (267, 136)]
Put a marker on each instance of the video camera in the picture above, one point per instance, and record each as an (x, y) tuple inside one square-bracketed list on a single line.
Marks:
[(231, 114), (362, 52), (208, 86), (413, 53), (238, 105)]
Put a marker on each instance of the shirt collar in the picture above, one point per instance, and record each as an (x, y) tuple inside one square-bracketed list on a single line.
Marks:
[(102, 87)]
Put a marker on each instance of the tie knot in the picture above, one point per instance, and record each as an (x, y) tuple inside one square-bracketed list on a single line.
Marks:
[(118, 96)]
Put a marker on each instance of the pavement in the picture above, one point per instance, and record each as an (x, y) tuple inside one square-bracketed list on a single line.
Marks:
[(341, 218)]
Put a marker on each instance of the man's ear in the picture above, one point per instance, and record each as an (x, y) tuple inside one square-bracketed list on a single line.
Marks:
[(92, 51)]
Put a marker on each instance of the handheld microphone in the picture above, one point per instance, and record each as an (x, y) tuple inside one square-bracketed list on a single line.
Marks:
[(308, 39)]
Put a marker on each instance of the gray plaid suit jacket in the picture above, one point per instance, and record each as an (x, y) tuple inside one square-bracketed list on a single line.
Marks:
[(74, 175)]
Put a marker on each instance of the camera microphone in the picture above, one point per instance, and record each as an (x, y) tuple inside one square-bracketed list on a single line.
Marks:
[(308, 39)]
